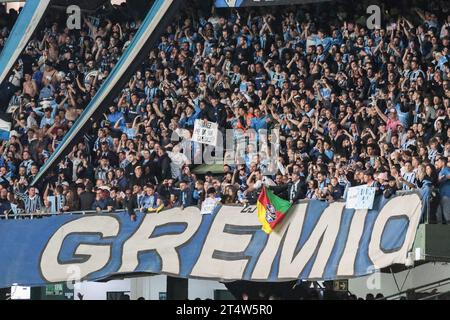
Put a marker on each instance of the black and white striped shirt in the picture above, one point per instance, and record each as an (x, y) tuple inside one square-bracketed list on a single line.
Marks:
[(411, 178), (27, 164), (57, 203), (432, 154), (15, 101), (31, 204), (407, 143), (415, 74)]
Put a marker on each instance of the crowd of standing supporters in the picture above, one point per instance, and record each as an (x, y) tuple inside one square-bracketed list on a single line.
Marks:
[(353, 106)]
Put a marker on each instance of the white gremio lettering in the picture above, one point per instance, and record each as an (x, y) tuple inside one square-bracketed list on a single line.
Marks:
[(94, 257), (408, 205), (165, 245), (98, 254), (217, 239), (264, 263), (347, 262), (326, 228)]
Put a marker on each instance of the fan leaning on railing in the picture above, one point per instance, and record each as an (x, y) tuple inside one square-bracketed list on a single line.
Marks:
[(20, 214)]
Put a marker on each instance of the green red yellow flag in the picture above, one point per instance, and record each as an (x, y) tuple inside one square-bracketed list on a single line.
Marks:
[(271, 209)]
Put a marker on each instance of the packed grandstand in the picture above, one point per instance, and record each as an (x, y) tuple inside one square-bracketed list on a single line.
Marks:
[(352, 106)]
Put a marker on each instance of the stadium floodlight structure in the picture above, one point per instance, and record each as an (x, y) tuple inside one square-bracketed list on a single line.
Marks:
[(152, 27)]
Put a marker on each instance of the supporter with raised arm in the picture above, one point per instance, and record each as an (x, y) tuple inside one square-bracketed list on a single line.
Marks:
[(347, 105)]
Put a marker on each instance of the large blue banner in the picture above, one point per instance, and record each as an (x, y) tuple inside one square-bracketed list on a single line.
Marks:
[(317, 240)]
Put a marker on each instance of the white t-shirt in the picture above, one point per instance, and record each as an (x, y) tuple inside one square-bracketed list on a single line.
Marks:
[(16, 77), (178, 159)]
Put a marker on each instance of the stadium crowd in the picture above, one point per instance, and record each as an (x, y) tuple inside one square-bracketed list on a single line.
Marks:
[(353, 106)]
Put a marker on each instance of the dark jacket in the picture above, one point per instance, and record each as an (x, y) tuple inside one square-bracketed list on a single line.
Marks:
[(164, 167), (185, 198), (87, 198), (112, 157), (122, 184), (216, 114), (164, 192), (130, 204), (298, 194), (103, 204), (136, 181), (153, 164), (5, 205)]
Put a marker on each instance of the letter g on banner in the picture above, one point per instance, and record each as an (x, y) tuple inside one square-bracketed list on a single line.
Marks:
[(88, 258)]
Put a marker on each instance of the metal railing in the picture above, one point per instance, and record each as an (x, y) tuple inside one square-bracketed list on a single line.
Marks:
[(22, 215), (421, 290)]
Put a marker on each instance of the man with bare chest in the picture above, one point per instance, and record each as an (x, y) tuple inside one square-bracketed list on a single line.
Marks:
[(49, 74), (29, 86)]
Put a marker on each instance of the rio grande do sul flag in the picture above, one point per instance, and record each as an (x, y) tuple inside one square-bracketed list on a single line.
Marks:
[(271, 209)]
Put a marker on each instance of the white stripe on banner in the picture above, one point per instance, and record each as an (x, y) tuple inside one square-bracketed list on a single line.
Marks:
[(150, 24), (28, 20), (5, 130)]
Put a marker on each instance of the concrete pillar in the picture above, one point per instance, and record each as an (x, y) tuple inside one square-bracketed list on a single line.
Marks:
[(177, 289)]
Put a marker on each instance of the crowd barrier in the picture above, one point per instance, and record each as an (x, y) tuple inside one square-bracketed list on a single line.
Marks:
[(426, 216)]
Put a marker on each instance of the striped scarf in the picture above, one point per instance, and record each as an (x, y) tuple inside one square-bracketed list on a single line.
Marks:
[(432, 154), (31, 204), (410, 177), (58, 202)]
